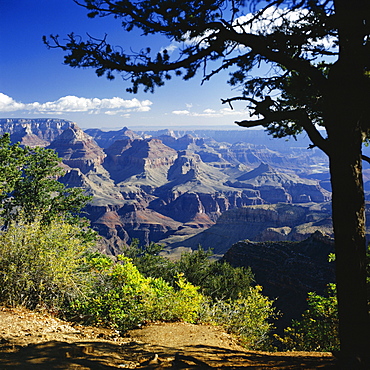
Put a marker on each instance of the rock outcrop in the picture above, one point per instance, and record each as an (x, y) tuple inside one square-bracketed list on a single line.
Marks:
[(142, 162), (33, 132), (262, 222), (106, 138), (287, 271), (77, 149), (276, 186)]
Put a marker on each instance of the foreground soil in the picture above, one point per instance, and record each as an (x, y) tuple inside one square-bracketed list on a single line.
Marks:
[(30, 340)]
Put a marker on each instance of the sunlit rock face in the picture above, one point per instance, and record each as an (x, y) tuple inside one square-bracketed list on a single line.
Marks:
[(148, 160), (263, 222), (77, 149), (33, 132), (276, 186), (106, 138)]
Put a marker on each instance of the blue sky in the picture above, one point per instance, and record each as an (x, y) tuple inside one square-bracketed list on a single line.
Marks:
[(34, 83)]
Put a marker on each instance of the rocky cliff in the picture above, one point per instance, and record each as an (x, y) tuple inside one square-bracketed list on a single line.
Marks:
[(278, 222), (77, 149), (287, 270), (33, 132), (145, 162), (276, 186), (106, 138)]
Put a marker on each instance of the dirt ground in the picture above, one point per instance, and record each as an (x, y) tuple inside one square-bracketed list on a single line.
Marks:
[(30, 340)]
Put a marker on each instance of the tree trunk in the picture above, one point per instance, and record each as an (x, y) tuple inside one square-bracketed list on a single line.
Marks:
[(348, 210)]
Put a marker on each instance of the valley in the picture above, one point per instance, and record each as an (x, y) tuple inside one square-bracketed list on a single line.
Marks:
[(178, 187)]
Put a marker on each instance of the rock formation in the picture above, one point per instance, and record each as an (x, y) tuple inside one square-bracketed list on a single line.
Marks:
[(287, 271), (282, 221), (77, 149), (144, 162), (106, 138), (33, 132), (276, 187)]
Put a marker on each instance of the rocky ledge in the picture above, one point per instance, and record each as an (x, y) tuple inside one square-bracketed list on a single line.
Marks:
[(287, 270)]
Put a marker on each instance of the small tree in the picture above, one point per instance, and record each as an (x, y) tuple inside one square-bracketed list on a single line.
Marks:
[(317, 52), (29, 185), (216, 279)]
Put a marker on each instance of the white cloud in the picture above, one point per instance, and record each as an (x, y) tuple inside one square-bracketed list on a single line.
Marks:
[(273, 18), (210, 113), (111, 112), (7, 104), (173, 46), (70, 103), (181, 112)]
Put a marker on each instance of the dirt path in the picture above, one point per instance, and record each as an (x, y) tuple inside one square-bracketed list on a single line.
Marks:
[(30, 340)]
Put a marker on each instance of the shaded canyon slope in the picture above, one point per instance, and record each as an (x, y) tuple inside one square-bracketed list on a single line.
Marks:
[(287, 271), (173, 187)]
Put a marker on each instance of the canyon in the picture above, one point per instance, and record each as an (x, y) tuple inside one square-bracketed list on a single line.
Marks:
[(178, 187)]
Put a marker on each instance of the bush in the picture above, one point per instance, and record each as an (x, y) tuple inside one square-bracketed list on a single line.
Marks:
[(246, 317), (218, 280), (39, 264), (122, 298), (230, 301), (150, 263), (52, 266), (318, 328)]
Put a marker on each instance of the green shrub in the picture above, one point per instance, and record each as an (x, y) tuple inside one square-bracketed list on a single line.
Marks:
[(248, 317), (121, 297), (230, 301), (216, 279), (51, 265), (149, 261), (318, 328), (39, 264)]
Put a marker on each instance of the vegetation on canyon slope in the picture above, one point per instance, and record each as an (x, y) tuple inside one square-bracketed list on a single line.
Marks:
[(53, 267)]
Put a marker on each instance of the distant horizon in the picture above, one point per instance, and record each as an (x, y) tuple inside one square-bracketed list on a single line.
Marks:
[(144, 127), (257, 135)]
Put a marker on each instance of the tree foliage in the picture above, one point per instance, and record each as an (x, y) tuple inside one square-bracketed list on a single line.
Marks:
[(122, 298), (29, 185), (52, 266), (317, 330), (249, 317), (229, 299)]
